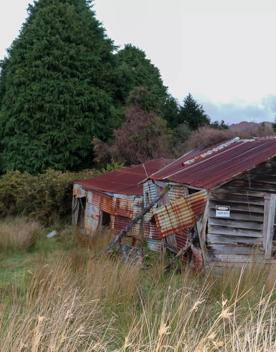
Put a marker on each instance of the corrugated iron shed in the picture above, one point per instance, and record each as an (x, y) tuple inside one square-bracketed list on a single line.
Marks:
[(124, 181), (212, 167)]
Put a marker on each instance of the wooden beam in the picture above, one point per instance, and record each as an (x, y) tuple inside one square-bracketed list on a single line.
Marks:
[(201, 230), (271, 207)]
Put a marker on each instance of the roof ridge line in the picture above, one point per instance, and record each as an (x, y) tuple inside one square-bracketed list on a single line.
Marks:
[(203, 160), (171, 163)]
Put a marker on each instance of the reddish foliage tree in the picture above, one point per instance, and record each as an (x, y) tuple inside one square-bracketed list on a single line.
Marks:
[(142, 136)]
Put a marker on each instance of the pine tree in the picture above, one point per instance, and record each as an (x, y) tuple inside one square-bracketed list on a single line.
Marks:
[(193, 114), (56, 88), (137, 74)]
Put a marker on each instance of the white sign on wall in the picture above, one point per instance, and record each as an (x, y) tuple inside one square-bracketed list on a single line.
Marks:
[(222, 211)]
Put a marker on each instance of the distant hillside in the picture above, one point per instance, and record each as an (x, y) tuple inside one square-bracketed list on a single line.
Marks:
[(245, 125)]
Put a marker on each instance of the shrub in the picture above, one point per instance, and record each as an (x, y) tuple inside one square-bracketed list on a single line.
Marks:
[(206, 136), (45, 197)]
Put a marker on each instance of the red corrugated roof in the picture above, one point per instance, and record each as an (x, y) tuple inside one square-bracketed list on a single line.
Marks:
[(126, 180), (214, 166)]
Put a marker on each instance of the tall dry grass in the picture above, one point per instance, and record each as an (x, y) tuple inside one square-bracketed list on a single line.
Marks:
[(18, 234), (78, 301)]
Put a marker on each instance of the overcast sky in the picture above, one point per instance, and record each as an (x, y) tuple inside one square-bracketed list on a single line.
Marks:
[(222, 51)]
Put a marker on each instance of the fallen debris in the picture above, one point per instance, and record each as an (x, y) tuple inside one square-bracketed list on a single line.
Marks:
[(52, 234)]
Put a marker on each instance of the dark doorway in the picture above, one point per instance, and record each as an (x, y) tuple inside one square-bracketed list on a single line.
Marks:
[(106, 219), (81, 216)]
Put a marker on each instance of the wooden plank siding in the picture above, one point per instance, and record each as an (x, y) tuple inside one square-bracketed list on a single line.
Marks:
[(247, 235)]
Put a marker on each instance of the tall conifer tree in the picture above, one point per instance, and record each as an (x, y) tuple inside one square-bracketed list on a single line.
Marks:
[(193, 114), (136, 73), (56, 88)]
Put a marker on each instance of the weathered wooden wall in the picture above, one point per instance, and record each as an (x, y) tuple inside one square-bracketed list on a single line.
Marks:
[(241, 238)]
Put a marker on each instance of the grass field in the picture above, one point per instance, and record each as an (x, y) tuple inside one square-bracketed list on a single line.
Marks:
[(58, 294)]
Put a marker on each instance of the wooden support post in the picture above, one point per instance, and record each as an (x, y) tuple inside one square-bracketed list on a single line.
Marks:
[(202, 232), (269, 221)]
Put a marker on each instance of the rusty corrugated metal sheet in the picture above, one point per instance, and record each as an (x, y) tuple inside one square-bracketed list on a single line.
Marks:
[(126, 207), (123, 207), (177, 191), (214, 166), (120, 222), (106, 204), (181, 214), (124, 181), (181, 240)]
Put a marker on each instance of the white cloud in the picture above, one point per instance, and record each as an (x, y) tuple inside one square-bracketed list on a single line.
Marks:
[(264, 110)]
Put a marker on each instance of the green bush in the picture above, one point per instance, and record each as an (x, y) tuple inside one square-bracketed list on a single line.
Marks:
[(45, 197)]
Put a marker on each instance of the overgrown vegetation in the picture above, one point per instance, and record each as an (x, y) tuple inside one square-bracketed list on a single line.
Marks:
[(45, 197), (142, 136), (207, 136), (69, 298)]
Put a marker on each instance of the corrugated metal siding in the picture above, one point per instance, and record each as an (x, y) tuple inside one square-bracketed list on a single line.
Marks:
[(180, 214), (177, 191), (122, 209), (181, 240), (150, 192), (120, 223)]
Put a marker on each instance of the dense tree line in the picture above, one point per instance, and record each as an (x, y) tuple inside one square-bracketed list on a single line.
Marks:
[(64, 83)]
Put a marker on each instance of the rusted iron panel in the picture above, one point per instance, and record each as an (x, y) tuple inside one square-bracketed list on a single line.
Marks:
[(180, 214), (177, 191), (115, 206), (154, 232), (123, 207), (181, 240), (106, 205), (127, 180), (214, 166), (120, 223), (97, 198), (151, 231)]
